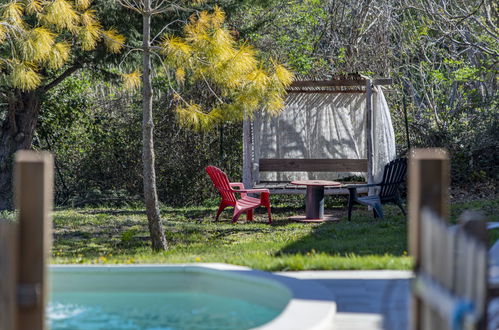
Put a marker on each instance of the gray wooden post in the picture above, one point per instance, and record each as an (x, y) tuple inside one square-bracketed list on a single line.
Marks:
[(369, 133), (247, 155), (428, 183), (33, 181)]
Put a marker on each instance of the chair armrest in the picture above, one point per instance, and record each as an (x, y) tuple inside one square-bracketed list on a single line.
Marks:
[(257, 191), (239, 185), (253, 191), (249, 191), (241, 188), (355, 186)]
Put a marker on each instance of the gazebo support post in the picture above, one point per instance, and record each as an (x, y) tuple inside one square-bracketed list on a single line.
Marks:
[(369, 133), (247, 155)]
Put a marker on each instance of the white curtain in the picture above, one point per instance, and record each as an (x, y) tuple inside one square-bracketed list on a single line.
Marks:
[(384, 136), (328, 126)]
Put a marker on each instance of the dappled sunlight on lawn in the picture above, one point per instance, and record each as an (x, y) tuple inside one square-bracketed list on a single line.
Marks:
[(121, 236)]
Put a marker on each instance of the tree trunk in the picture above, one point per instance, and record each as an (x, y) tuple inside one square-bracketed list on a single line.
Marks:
[(18, 129), (158, 240)]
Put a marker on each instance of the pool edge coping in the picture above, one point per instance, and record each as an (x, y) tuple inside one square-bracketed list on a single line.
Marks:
[(308, 297)]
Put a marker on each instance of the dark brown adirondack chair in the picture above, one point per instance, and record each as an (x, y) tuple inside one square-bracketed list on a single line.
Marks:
[(393, 176)]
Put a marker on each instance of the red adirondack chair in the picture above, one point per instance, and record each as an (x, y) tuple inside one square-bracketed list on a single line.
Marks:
[(244, 205)]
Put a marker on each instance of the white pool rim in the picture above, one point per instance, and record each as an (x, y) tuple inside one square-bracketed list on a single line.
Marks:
[(312, 306)]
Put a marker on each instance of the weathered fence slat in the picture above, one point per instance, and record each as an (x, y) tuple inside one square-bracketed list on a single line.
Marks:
[(450, 262), (443, 308)]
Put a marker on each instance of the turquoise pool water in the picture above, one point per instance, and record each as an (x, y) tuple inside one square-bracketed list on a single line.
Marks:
[(153, 299), (186, 310)]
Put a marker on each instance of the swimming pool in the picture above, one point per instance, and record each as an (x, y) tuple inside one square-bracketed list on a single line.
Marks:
[(206, 296)]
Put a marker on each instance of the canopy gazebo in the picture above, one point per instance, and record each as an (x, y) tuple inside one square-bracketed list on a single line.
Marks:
[(329, 129)]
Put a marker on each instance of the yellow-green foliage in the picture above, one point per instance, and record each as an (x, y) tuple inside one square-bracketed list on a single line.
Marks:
[(241, 84), (3, 33), (24, 75), (131, 80), (36, 35)]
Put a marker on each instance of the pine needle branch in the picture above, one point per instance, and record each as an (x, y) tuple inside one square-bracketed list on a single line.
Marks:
[(69, 71)]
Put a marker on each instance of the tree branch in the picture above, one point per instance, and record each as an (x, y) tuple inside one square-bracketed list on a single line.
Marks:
[(72, 69)]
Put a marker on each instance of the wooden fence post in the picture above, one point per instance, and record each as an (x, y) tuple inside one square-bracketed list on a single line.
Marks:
[(428, 184), (8, 274), (33, 180), (428, 187)]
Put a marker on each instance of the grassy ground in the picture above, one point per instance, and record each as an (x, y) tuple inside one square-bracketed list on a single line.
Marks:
[(120, 236)]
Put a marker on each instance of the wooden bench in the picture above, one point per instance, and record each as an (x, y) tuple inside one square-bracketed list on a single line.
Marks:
[(307, 165)]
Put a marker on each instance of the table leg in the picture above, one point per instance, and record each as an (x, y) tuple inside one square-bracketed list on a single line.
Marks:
[(314, 202)]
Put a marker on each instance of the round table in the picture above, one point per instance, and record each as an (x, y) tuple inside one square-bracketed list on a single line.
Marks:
[(314, 200)]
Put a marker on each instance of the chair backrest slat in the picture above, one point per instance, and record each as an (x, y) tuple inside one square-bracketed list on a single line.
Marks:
[(393, 175), (221, 183)]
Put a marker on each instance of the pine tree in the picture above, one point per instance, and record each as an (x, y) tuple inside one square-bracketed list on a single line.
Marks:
[(207, 53), (38, 39), (238, 82)]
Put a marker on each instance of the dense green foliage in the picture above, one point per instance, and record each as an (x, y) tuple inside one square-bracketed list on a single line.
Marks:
[(97, 139), (443, 58), (120, 236)]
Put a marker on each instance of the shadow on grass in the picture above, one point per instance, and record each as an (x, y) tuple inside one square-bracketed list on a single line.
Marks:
[(364, 235)]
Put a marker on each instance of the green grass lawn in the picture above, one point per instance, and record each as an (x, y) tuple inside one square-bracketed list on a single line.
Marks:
[(120, 236)]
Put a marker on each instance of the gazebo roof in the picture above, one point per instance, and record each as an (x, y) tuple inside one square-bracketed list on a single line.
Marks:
[(347, 83)]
